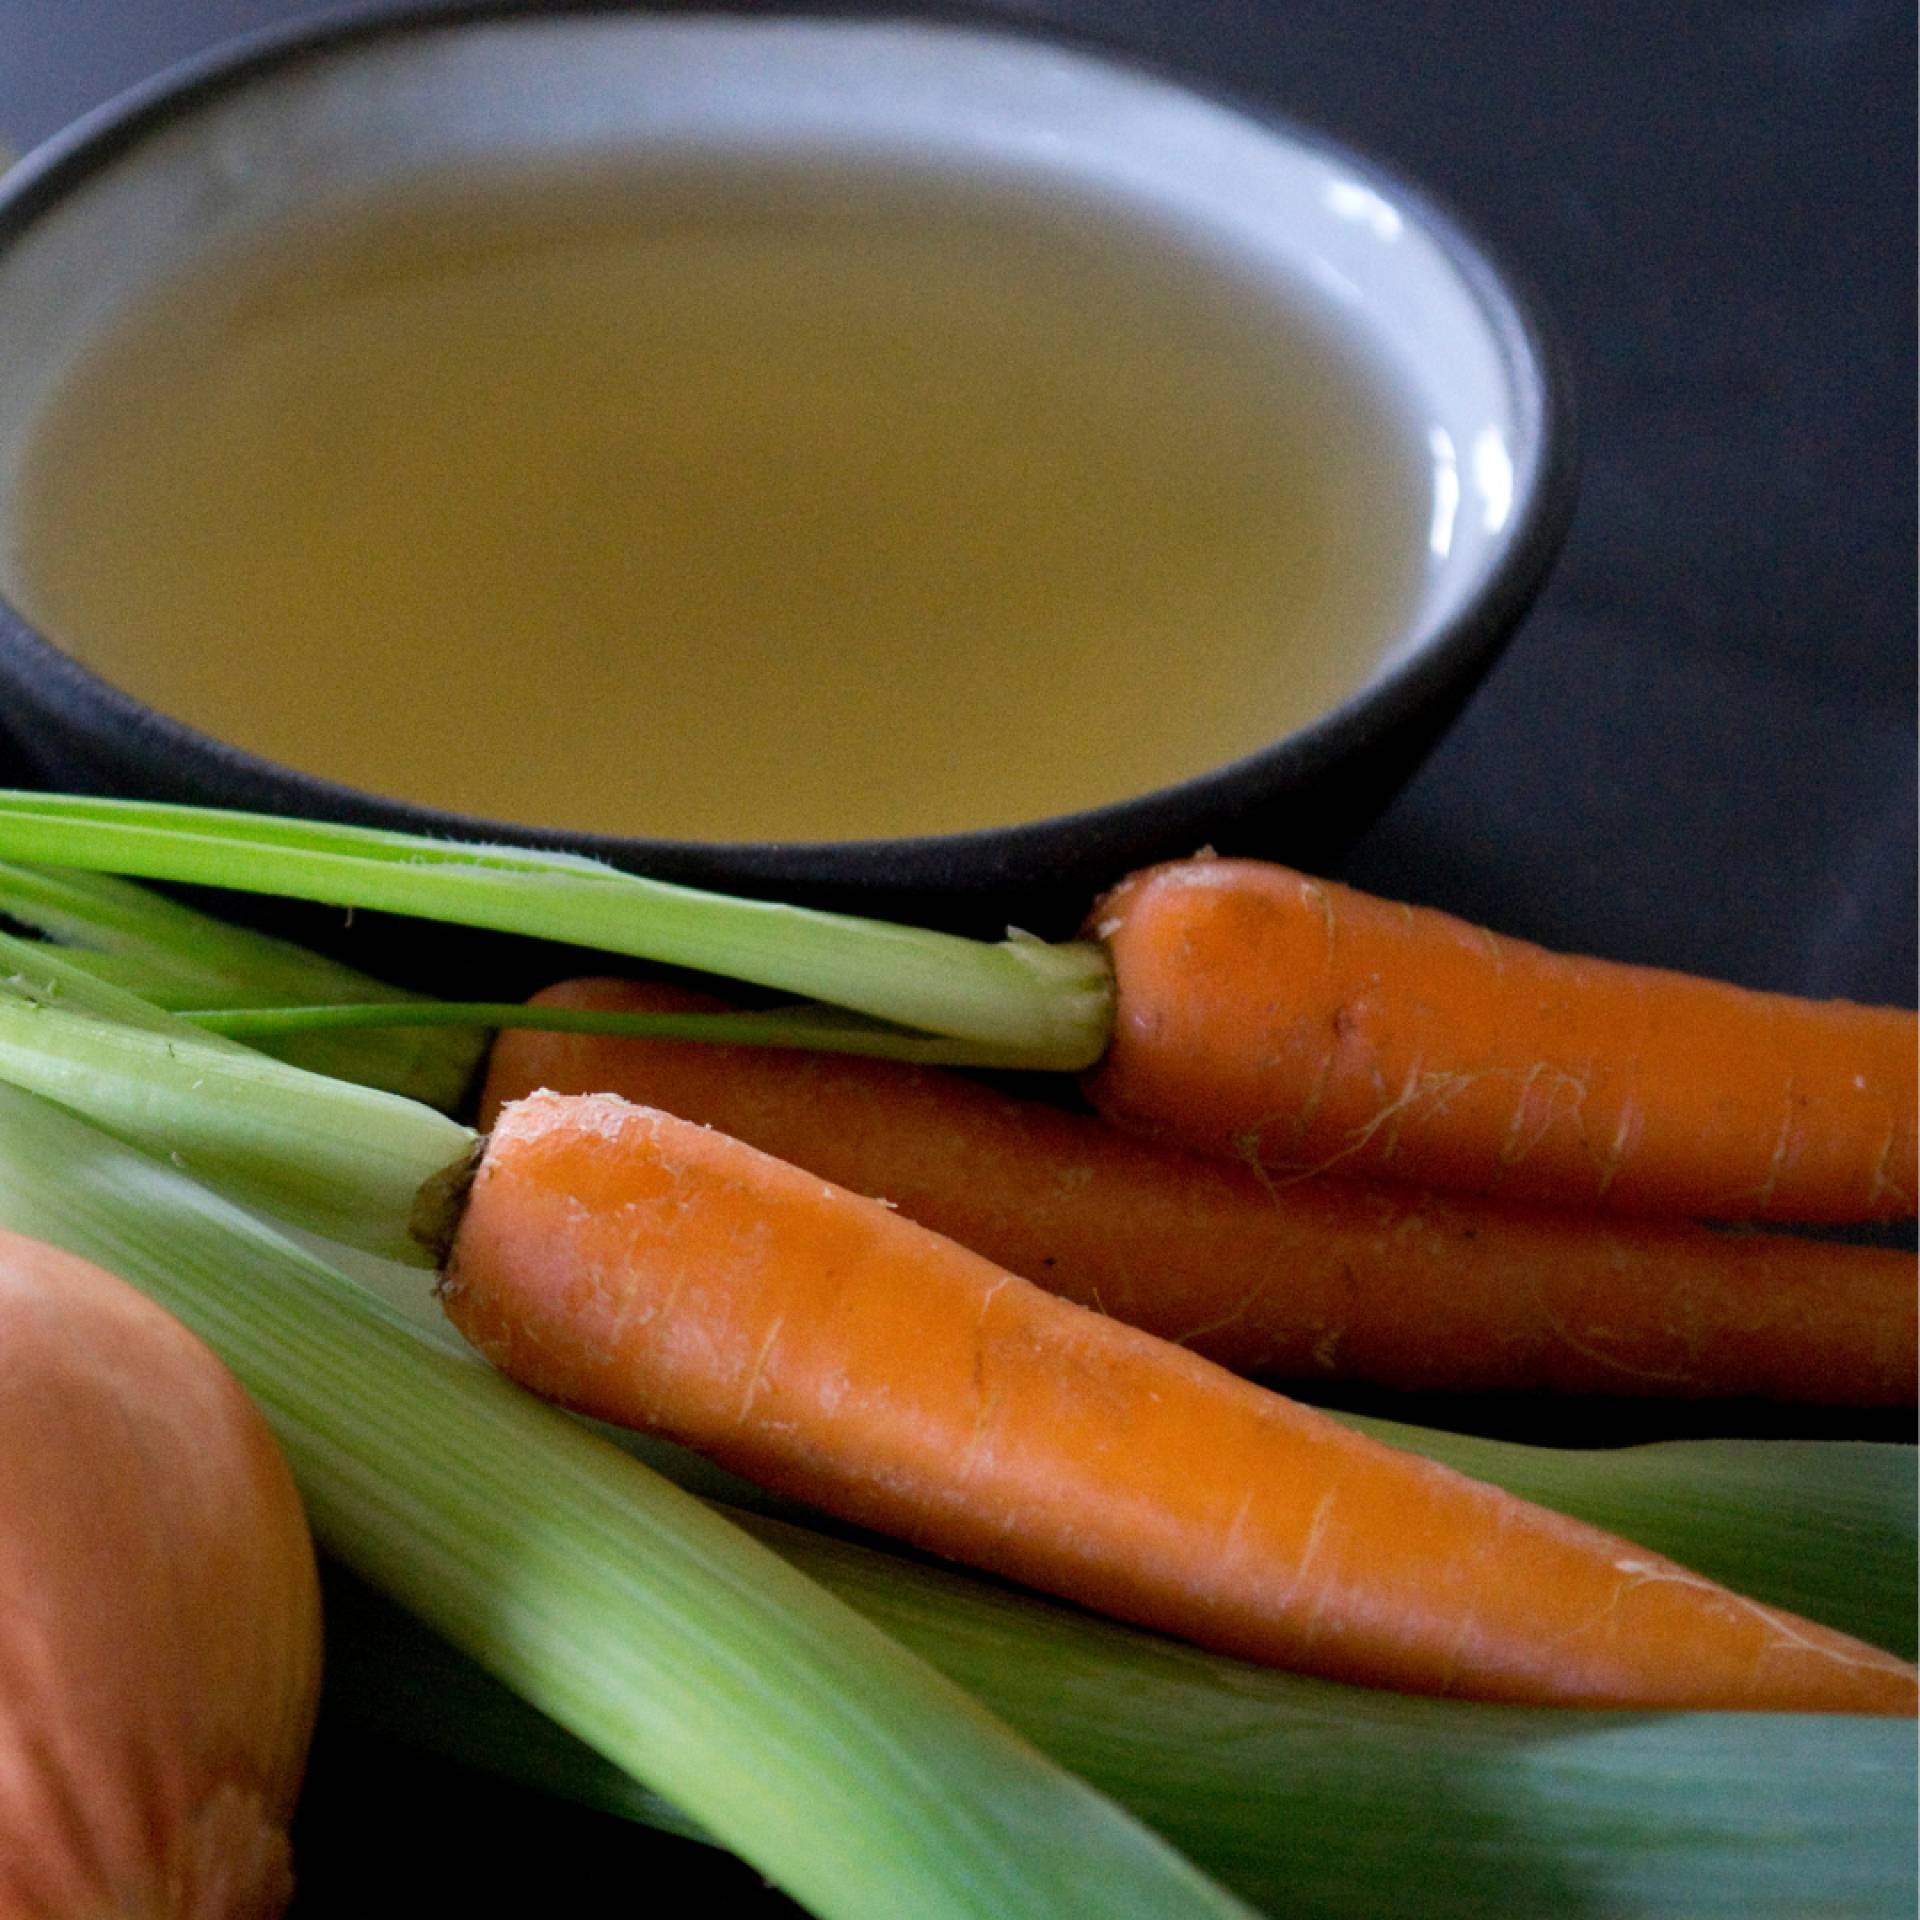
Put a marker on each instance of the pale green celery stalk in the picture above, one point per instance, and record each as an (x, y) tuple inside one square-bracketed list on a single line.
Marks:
[(1048, 1006), (346, 1161), (176, 956), (1311, 1800), (666, 1639)]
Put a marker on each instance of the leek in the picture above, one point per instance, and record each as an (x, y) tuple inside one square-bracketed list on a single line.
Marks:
[(1306, 1798), (662, 1636)]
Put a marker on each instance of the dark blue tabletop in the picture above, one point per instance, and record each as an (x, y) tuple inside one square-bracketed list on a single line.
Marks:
[(1701, 749)]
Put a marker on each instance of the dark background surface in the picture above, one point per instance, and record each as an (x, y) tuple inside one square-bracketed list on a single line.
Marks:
[(1699, 752)]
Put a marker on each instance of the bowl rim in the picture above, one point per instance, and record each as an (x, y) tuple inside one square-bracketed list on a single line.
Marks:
[(1459, 648)]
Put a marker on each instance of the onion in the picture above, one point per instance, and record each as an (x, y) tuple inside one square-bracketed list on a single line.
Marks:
[(159, 1612)]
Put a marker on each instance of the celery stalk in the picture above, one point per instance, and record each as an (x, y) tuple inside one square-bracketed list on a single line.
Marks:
[(665, 1638)]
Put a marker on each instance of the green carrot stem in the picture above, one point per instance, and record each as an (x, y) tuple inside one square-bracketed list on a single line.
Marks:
[(1051, 1006), (808, 1028)]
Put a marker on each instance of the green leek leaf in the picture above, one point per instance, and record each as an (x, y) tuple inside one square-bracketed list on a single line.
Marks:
[(1310, 1800)]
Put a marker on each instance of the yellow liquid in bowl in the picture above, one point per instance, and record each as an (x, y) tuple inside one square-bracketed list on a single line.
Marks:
[(730, 502)]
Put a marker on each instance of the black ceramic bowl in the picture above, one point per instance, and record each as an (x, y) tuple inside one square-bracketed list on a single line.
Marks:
[(231, 142)]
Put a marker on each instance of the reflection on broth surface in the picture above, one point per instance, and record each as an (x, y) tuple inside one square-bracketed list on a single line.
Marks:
[(728, 502)]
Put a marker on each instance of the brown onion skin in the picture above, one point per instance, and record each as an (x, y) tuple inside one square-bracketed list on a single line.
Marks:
[(159, 1613)]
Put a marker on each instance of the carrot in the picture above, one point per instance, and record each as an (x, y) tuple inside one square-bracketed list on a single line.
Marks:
[(1298, 1023), (644, 1270), (1317, 1279), (1240, 1009)]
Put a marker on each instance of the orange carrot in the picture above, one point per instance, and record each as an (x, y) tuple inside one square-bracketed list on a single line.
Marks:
[(1294, 1022), (651, 1272), (1318, 1279)]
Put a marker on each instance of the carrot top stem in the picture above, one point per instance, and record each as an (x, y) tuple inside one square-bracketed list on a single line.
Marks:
[(803, 1028), (1035, 1004)]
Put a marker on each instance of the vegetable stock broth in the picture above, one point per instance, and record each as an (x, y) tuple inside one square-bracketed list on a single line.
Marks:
[(728, 501)]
